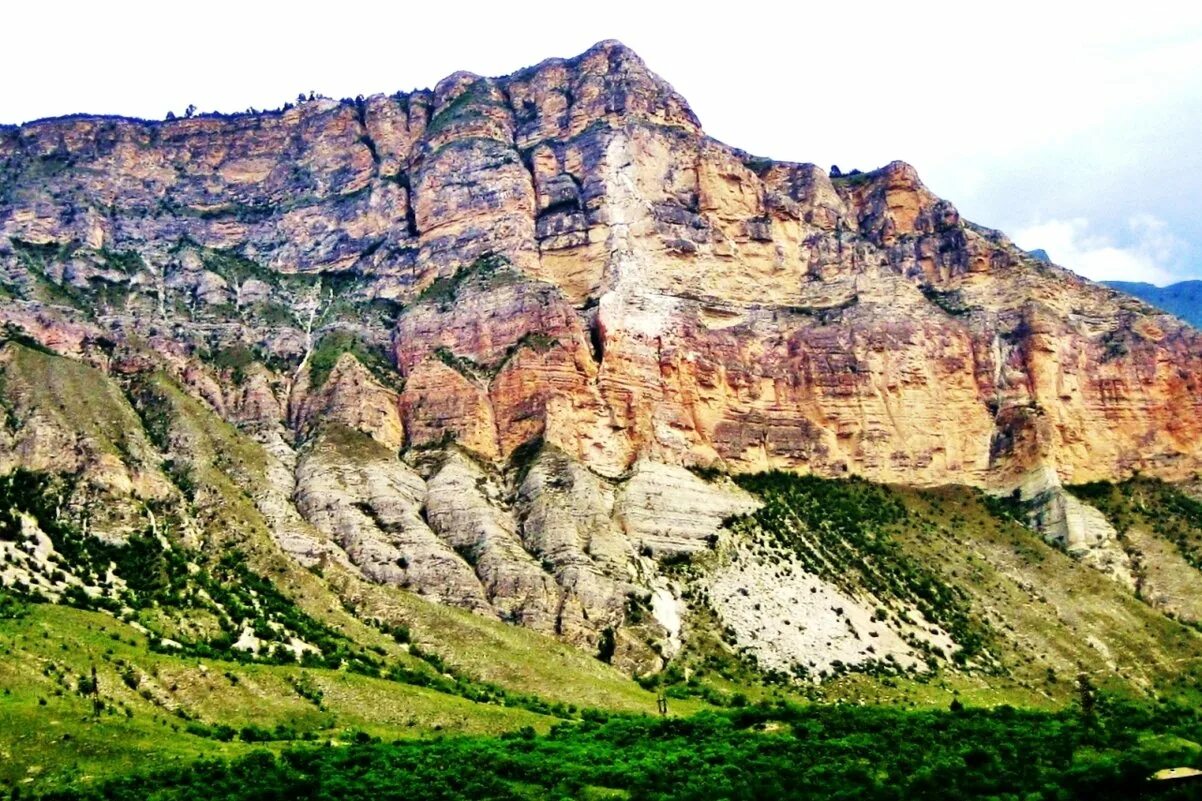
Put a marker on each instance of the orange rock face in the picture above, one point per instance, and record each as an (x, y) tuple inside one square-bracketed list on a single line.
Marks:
[(577, 261)]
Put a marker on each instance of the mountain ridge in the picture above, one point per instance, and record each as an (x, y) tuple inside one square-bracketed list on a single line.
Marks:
[(1183, 299)]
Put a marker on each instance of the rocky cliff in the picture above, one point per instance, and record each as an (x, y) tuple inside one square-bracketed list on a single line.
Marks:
[(471, 338)]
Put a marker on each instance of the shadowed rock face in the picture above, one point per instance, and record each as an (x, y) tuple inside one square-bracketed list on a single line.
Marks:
[(563, 256)]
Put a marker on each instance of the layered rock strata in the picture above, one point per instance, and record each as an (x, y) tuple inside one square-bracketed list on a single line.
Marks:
[(482, 331)]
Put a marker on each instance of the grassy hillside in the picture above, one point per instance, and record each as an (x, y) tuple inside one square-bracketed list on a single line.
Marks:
[(1028, 617), (1044, 619), (1052, 617), (145, 710), (161, 614)]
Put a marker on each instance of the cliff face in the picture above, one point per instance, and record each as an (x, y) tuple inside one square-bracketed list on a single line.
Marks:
[(562, 258), (693, 304)]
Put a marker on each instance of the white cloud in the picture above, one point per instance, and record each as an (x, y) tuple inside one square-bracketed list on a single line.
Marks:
[(1146, 250)]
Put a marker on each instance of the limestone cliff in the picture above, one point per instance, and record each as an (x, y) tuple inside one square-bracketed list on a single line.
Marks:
[(685, 301), (479, 331)]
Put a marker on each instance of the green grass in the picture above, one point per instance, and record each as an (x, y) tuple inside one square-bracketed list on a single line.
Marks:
[(855, 178), (12, 332), (36, 260), (228, 466), (332, 345), (1037, 615), (501, 654), (45, 653), (1050, 615), (485, 659), (75, 396), (100, 292), (462, 108), (770, 752), (224, 469)]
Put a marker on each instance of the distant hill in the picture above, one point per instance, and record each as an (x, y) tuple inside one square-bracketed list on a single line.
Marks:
[(1183, 299)]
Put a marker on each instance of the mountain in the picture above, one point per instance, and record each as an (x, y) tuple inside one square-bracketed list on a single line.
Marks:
[(1183, 299), (515, 389)]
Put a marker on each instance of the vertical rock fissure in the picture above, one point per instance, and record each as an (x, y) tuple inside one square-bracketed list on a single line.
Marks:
[(596, 338)]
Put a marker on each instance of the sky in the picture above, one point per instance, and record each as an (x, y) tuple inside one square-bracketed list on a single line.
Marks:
[(1070, 126)]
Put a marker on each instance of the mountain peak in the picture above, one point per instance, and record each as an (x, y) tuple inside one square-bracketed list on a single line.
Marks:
[(614, 49)]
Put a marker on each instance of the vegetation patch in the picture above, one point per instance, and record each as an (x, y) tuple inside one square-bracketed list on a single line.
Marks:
[(463, 108), (853, 179), (234, 267), (951, 301), (758, 164), (1115, 346), (11, 332), (36, 259), (1157, 505), (333, 344), (444, 291), (234, 359), (467, 367), (463, 365), (762, 752), (165, 589), (129, 262), (163, 586), (842, 531)]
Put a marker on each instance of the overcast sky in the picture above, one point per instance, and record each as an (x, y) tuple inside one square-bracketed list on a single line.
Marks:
[(1077, 131)]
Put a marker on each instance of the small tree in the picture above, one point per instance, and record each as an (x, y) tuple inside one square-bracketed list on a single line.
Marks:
[(607, 645), (1088, 697), (89, 687)]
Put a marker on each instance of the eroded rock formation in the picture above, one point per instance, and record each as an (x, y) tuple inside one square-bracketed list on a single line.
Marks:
[(481, 331)]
